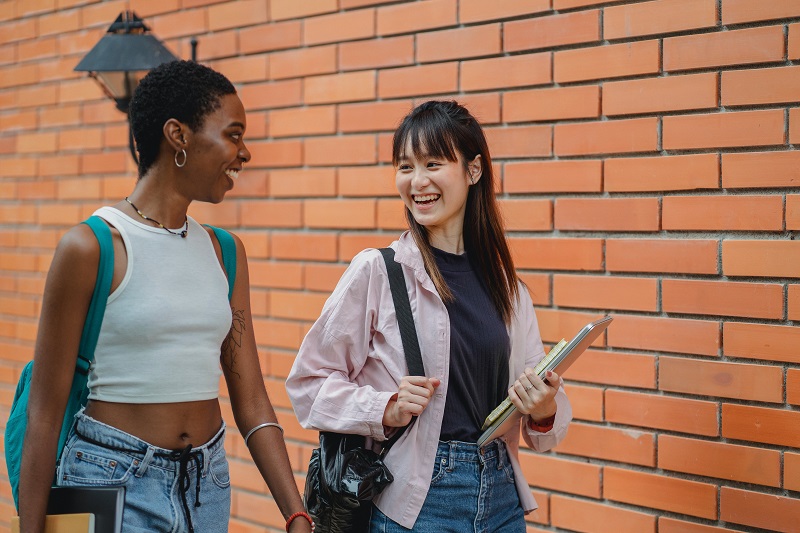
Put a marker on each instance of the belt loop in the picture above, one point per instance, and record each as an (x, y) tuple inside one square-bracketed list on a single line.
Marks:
[(146, 460)]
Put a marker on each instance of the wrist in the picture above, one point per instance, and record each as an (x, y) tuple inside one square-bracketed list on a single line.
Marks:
[(544, 425), (301, 515)]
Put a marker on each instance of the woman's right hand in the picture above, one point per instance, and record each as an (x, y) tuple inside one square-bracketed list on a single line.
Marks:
[(413, 396)]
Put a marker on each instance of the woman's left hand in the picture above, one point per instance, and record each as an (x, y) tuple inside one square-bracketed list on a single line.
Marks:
[(533, 396)]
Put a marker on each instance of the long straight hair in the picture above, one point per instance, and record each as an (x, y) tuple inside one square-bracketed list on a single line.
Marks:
[(446, 129)]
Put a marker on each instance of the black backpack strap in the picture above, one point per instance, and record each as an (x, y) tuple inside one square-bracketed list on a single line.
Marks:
[(405, 319)]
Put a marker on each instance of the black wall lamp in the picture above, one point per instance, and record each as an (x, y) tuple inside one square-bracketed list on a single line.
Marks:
[(122, 58)]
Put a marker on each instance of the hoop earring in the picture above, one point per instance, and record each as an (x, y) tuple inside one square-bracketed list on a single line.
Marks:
[(180, 165)]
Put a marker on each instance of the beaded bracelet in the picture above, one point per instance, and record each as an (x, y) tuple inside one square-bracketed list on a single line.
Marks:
[(304, 515), (260, 426)]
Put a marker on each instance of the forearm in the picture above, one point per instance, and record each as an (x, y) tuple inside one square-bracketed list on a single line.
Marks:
[(268, 450), (36, 476)]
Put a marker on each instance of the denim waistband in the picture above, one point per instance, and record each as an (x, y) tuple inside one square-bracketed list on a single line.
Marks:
[(185, 460), (471, 452)]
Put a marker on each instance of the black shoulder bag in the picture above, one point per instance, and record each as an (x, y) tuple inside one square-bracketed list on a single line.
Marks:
[(343, 475)]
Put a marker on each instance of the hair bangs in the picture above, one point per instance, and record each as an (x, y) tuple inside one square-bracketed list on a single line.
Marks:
[(431, 134)]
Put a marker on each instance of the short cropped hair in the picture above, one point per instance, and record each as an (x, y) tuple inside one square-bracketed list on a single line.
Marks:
[(183, 90)]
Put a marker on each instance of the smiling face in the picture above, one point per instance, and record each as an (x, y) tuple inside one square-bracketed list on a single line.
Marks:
[(217, 150), (435, 190)]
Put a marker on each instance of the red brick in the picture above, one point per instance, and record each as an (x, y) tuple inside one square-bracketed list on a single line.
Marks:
[(657, 17), (270, 95), (791, 471), (684, 256), (350, 244), (305, 182), (506, 72), (603, 292), (16, 120), (342, 214), (587, 402), (41, 48), (741, 11), (218, 44), (792, 212), (671, 525), (391, 215), (556, 325), (699, 337), (377, 53), (609, 444), (767, 511), (607, 214), (660, 492), (179, 24), (278, 37), (290, 9), (538, 287), (761, 169), (762, 341), (723, 48), (662, 412), (416, 16), (485, 107), (744, 299), (576, 478), (557, 253), (296, 305), (519, 141), (760, 424), (236, 14), (59, 22), (584, 515), (366, 181), (552, 104), (755, 213), (322, 277), (39, 96), (527, 215), (295, 122), (418, 80), (552, 176), (794, 41), (719, 460), (302, 62), (716, 130), (761, 258), (655, 95), (276, 153), (662, 173), (461, 43), (551, 31), (348, 87), (760, 86), (478, 10), (18, 30), (372, 116), (793, 312), (343, 26), (614, 368), (757, 383), (272, 274), (272, 213), (617, 136), (304, 246), (609, 61), (344, 150)]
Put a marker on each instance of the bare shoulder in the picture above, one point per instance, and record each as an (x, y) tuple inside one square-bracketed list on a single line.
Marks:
[(79, 247)]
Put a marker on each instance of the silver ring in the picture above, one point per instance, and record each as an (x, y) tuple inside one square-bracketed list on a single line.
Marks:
[(528, 388)]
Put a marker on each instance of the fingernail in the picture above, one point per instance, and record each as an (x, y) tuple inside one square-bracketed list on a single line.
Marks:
[(549, 373)]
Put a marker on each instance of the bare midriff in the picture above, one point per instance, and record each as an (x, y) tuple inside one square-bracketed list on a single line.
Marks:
[(166, 425)]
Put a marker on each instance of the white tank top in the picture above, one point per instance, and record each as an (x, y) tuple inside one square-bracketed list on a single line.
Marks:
[(164, 325)]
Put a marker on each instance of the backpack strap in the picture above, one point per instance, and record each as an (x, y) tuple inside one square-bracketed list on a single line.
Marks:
[(102, 287), (228, 246)]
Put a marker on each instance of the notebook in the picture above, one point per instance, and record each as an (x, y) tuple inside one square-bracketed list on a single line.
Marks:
[(83, 509), (558, 360)]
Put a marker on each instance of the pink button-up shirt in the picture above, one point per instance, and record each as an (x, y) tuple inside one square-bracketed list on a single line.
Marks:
[(351, 362)]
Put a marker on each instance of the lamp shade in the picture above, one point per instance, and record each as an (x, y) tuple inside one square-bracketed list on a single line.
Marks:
[(123, 56)]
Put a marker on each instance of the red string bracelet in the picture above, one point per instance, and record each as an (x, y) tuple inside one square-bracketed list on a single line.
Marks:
[(304, 515)]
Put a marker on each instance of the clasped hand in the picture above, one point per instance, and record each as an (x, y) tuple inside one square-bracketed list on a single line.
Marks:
[(533, 396), (413, 396)]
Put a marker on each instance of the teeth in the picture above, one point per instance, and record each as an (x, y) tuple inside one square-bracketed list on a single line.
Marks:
[(232, 174), (426, 197)]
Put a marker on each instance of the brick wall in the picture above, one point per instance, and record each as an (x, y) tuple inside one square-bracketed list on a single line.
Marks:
[(648, 168)]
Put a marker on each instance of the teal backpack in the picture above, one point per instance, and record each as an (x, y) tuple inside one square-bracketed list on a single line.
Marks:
[(79, 392)]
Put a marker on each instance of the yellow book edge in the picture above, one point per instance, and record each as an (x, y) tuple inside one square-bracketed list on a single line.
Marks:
[(63, 523)]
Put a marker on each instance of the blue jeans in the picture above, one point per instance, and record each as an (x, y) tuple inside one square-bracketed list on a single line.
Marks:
[(165, 490), (472, 490)]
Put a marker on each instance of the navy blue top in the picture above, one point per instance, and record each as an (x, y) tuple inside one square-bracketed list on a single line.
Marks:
[(479, 351)]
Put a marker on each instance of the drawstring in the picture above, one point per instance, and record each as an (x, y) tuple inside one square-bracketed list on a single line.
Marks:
[(183, 457)]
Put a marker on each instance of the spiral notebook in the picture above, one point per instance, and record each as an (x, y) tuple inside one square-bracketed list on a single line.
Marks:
[(559, 359)]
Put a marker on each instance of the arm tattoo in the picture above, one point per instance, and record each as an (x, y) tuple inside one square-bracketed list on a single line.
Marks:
[(233, 342)]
